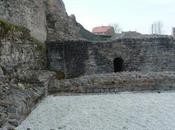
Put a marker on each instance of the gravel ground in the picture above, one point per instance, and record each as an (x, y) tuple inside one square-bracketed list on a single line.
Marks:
[(123, 111)]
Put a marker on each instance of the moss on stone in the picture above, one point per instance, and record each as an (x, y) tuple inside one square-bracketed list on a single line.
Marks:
[(40, 46), (7, 29)]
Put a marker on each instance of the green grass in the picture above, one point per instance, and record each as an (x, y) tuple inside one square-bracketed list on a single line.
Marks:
[(7, 29), (40, 46)]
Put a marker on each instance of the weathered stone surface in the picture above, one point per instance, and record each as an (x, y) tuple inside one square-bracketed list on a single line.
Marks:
[(19, 55), (77, 58), (116, 82), (47, 19), (1, 72), (23, 80), (30, 14)]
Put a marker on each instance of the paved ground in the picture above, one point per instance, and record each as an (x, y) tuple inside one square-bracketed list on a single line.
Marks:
[(124, 111)]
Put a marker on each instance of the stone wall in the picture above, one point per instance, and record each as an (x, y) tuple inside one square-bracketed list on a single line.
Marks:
[(115, 82), (141, 54), (28, 13), (55, 56), (23, 78), (77, 58), (46, 19), (67, 57)]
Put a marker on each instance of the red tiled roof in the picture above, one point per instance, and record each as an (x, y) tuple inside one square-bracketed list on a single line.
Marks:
[(101, 29)]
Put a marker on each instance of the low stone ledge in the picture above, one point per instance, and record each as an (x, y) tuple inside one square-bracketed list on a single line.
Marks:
[(115, 82)]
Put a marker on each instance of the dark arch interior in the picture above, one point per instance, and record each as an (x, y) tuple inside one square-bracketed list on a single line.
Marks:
[(118, 64)]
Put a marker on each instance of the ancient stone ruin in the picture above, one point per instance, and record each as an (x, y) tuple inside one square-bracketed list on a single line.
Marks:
[(145, 54), (45, 51)]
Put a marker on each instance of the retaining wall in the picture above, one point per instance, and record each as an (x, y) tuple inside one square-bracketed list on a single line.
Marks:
[(126, 81)]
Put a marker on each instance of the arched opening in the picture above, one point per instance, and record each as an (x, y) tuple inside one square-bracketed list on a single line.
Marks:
[(118, 64)]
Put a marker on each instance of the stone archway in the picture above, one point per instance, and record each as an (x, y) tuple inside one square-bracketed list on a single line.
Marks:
[(118, 64)]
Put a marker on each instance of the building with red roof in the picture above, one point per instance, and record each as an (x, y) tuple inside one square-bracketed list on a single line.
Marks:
[(104, 30)]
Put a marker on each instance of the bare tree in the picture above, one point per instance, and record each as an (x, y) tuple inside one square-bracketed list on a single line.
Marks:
[(116, 27), (173, 32), (156, 28)]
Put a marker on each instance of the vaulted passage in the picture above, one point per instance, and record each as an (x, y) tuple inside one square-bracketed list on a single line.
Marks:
[(118, 64)]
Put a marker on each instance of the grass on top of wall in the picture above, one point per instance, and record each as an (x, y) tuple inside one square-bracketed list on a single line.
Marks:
[(9, 31)]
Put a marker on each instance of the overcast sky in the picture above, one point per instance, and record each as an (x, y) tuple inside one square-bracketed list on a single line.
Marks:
[(131, 15)]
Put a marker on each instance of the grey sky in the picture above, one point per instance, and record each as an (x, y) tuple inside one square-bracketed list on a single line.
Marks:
[(133, 15)]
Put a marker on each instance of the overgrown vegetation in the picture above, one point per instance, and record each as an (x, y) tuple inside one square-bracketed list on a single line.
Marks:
[(6, 28), (12, 31), (40, 46)]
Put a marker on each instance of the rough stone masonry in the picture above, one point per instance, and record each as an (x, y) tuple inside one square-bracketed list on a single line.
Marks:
[(78, 58), (29, 69), (46, 19), (23, 74)]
